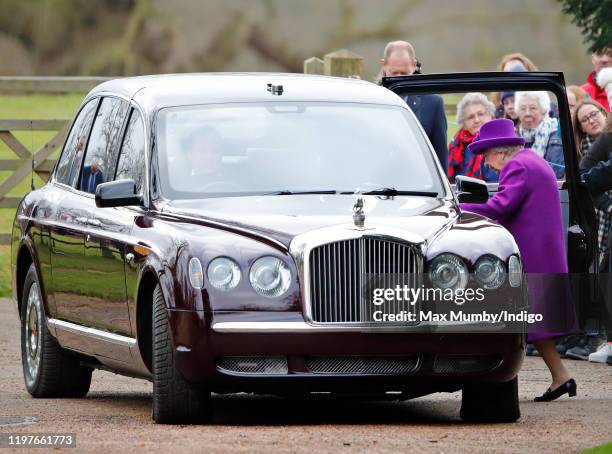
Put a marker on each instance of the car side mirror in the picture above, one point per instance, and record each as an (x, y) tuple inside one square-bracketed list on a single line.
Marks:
[(117, 193), (471, 190)]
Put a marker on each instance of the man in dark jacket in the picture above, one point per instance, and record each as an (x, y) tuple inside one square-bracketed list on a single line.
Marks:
[(599, 153), (400, 60), (598, 179), (92, 177)]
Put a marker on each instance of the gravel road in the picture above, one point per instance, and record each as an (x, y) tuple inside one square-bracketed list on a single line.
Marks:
[(115, 417)]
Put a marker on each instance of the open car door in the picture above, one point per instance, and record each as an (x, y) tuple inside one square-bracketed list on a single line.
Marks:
[(576, 203)]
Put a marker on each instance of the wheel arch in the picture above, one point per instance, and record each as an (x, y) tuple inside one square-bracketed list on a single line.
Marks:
[(144, 320), (25, 257)]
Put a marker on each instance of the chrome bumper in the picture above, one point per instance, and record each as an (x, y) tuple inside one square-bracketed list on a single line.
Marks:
[(303, 327)]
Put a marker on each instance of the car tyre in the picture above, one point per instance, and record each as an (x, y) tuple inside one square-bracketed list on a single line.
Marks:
[(490, 402), (175, 400), (48, 370)]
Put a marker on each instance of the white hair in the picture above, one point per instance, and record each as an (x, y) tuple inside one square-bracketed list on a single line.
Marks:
[(541, 96), (474, 98), (510, 150)]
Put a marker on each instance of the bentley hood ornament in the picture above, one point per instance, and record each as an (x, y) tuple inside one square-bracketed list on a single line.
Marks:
[(358, 214)]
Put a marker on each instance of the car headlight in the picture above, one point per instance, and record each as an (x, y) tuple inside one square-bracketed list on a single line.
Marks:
[(223, 273), (270, 276), (515, 271), (489, 272), (447, 271)]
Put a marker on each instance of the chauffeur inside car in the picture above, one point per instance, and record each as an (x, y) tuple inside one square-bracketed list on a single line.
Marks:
[(202, 167)]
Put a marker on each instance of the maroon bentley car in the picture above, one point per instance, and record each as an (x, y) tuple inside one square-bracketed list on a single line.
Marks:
[(214, 233)]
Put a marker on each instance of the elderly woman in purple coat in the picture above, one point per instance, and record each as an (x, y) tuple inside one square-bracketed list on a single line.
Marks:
[(527, 204)]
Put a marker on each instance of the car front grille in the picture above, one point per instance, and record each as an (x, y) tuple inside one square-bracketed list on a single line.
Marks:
[(342, 275), (362, 365)]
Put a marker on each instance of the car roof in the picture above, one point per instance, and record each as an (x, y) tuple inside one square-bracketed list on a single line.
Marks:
[(155, 92)]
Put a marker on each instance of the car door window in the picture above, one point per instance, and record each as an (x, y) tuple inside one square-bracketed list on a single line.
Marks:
[(132, 156), (70, 160), (102, 144), (534, 114)]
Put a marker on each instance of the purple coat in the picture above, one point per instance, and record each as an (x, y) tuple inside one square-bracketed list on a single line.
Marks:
[(527, 204)]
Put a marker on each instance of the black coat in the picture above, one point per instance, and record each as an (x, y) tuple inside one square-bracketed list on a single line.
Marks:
[(98, 178), (596, 167), (429, 110)]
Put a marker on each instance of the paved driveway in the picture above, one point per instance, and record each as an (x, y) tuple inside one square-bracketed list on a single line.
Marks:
[(115, 417)]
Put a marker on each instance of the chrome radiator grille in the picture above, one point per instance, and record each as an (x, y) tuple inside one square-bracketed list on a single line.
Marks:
[(343, 273)]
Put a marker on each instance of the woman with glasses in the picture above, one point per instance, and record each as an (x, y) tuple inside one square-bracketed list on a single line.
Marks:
[(589, 121), (473, 111)]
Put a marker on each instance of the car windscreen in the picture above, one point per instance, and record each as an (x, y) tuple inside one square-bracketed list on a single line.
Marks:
[(265, 148)]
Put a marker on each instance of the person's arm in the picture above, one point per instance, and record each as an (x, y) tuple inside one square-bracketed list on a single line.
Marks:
[(512, 190), (599, 151), (554, 155), (438, 133), (599, 178), (84, 179)]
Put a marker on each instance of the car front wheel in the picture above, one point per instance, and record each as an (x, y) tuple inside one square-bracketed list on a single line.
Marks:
[(491, 402), (48, 370), (175, 401)]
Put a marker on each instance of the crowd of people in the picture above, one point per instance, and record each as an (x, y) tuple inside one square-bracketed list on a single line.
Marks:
[(513, 138)]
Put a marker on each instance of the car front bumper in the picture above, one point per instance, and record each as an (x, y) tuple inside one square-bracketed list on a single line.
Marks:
[(279, 352)]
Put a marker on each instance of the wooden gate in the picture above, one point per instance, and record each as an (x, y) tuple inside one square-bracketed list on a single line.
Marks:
[(22, 167)]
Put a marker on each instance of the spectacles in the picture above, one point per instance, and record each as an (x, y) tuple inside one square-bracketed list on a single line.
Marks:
[(589, 117)]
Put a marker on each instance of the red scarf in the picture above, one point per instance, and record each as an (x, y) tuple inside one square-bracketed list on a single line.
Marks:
[(457, 153)]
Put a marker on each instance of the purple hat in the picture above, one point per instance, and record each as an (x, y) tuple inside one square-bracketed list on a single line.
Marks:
[(495, 133)]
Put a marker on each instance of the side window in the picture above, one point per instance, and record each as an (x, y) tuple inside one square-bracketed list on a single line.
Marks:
[(102, 143), (70, 161), (132, 157)]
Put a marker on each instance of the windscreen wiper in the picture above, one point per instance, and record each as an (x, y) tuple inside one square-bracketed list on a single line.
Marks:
[(289, 192), (394, 192)]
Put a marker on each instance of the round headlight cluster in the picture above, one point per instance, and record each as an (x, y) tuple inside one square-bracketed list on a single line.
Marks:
[(270, 276), (489, 272), (448, 271), (223, 273)]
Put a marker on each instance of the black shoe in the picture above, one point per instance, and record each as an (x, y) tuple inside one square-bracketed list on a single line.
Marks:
[(582, 352), (531, 350), (563, 344), (609, 360), (568, 387)]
